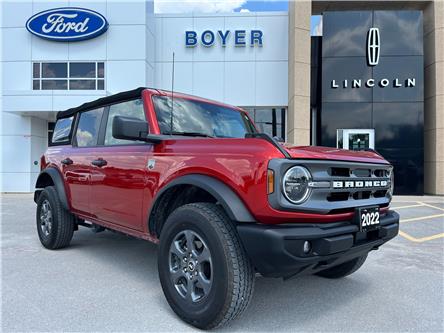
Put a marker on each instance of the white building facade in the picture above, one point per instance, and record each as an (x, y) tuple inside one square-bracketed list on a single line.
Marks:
[(41, 77), (265, 62)]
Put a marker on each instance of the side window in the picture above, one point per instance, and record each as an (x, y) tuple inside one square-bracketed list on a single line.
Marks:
[(88, 128), (133, 109), (62, 130)]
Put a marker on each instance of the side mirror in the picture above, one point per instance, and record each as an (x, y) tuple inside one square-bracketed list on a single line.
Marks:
[(129, 128)]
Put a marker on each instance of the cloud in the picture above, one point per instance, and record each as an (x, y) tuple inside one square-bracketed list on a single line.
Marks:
[(197, 6), (317, 29)]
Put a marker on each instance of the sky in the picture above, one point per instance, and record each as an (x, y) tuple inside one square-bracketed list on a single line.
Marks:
[(227, 6), (218, 6)]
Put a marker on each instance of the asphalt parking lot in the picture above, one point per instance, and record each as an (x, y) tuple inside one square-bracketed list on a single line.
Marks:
[(108, 282)]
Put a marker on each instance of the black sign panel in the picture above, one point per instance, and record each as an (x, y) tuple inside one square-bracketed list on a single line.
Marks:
[(373, 78)]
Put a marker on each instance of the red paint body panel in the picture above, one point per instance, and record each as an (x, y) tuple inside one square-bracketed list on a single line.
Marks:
[(120, 194), (329, 153), (118, 189)]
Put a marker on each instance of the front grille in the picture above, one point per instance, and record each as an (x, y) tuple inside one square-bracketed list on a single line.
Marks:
[(339, 172), (362, 172), (380, 193), (359, 195), (355, 175), (351, 184), (338, 196), (362, 195), (337, 186)]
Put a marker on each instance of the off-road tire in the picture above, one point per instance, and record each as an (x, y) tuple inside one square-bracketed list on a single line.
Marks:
[(63, 222), (233, 274), (344, 269)]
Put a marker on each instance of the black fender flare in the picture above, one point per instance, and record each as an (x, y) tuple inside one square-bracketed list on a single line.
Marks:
[(57, 179), (225, 196)]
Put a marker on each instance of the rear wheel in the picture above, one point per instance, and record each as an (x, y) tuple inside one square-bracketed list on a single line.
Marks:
[(205, 274), (344, 269), (55, 225)]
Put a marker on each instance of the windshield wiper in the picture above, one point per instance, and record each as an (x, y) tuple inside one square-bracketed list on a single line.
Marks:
[(192, 134)]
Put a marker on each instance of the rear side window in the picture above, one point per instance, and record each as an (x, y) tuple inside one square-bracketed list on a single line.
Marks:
[(62, 130), (88, 128), (132, 109)]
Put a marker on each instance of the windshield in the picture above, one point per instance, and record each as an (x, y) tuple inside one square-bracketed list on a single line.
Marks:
[(196, 118)]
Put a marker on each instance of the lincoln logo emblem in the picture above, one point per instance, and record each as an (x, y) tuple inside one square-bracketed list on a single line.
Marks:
[(373, 46)]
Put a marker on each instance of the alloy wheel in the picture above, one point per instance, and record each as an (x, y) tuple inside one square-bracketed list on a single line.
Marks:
[(46, 218), (190, 265)]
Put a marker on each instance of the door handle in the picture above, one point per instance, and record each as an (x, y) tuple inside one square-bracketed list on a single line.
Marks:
[(67, 161), (100, 162)]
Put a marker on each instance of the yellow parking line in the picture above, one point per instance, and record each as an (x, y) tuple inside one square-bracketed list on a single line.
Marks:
[(409, 206), (422, 218), (431, 206), (420, 240)]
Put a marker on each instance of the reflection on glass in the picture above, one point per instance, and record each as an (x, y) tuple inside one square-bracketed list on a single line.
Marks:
[(54, 70), (343, 115), (100, 69), (35, 85), (358, 141), (36, 70), (81, 76), (82, 69), (88, 128), (199, 117), (345, 68), (82, 84), (399, 125), (62, 130), (345, 32), (403, 28), (339, 139), (402, 68), (54, 84), (269, 121), (132, 109)]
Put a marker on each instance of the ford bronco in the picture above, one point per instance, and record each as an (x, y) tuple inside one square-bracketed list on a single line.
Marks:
[(222, 200)]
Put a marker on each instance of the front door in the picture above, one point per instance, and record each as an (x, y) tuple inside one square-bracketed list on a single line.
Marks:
[(119, 180), (76, 163), (355, 139)]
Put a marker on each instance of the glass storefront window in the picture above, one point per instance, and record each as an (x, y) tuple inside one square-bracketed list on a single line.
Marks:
[(54, 70), (68, 76), (355, 139), (269, 120), (82, 69), (359, 141)]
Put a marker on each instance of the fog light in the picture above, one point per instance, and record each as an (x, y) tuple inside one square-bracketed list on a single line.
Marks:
[(307, 247)]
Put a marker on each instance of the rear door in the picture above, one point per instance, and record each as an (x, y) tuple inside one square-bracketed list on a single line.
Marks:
[(76, 161), (118, 184)]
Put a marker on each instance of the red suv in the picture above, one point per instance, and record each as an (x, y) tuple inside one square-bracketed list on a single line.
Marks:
[(222, 200)]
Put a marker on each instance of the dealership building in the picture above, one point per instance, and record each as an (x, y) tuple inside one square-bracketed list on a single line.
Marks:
[(373, 80)]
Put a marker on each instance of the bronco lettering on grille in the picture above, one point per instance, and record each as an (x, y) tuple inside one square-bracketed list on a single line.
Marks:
[(359, 184)]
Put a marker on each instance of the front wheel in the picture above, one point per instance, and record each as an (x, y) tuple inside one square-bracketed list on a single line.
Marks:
[(205, 274), (55, 225), (344, 269)]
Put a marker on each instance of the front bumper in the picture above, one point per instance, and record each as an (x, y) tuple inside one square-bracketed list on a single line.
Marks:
[(277, 251)]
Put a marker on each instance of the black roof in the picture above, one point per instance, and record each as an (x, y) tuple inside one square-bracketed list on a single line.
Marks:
[(125, 95)]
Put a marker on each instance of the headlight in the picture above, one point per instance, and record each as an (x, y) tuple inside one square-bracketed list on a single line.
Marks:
[(295, 184)]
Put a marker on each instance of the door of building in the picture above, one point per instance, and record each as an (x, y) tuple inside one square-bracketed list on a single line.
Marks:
[(355, 139)]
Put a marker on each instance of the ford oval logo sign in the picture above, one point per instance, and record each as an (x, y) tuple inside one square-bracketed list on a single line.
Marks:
[(67, 24)]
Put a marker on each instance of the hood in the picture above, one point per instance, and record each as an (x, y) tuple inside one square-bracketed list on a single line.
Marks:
[(330, 153)]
